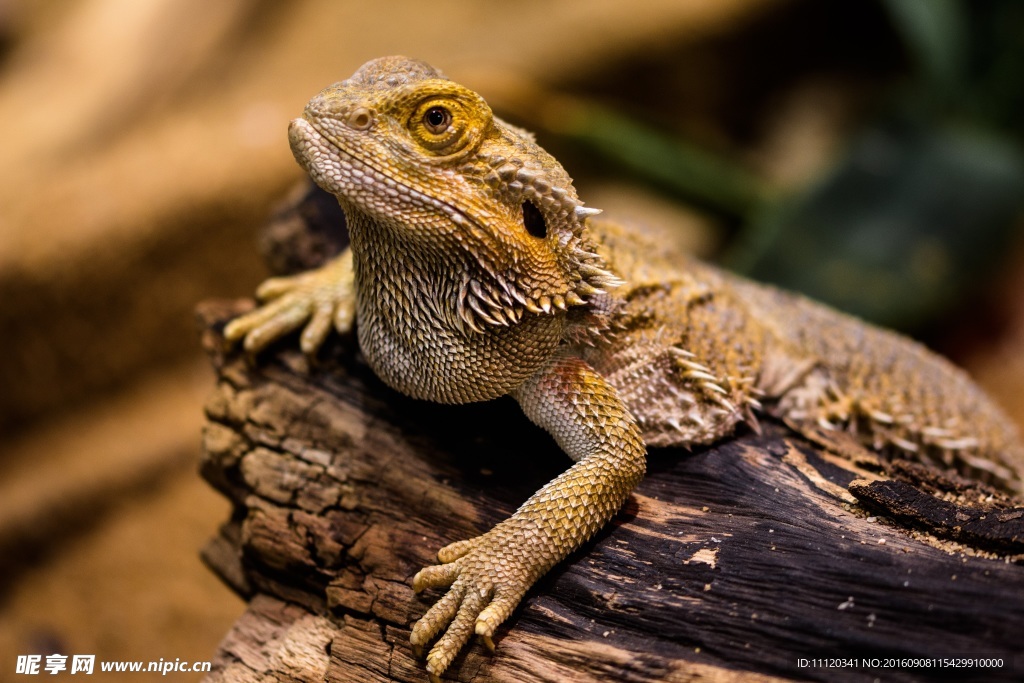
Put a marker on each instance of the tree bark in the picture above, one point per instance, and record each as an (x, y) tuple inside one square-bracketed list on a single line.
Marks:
[(734, 562)]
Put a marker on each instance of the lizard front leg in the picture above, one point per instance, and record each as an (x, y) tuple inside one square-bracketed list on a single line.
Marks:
[(489, 575), (316, 299)]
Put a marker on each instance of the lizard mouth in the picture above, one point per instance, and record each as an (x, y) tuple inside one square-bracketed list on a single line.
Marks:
[(323, 160), (350, 176)]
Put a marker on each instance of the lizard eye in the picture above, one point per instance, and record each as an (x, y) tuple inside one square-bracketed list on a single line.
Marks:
[(437, 120), (447, 124)]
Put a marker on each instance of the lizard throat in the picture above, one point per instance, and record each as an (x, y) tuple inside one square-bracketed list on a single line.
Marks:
[(411, 331)]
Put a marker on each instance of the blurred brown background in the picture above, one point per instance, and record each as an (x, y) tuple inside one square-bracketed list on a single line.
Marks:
[(865, 151)]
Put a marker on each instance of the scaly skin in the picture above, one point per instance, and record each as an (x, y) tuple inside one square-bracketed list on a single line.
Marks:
[(474, 272)]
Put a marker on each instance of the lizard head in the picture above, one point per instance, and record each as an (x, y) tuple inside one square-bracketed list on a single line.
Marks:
[(442, 183)]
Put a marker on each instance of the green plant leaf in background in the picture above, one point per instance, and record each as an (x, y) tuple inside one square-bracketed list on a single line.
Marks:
[(899, 230), (928, 196), (935, 33), (676, 167)]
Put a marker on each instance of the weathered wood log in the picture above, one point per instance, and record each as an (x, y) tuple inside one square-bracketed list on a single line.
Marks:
[(760, 558)]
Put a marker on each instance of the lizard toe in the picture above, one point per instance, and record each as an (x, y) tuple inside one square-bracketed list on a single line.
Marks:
[(261, 326), (436, 618), (458, 632), (454, 551), (494, 614), (317, 329), (344, 317), (276, 287), (436, 576), (277, 320)]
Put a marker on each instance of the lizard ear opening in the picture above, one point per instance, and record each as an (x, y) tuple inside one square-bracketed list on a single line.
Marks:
[(533, 220)]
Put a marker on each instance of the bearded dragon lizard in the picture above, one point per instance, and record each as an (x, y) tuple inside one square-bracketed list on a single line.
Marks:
[(474, 271)]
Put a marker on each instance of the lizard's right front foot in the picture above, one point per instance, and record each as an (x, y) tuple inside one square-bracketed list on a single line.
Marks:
[(486, 578), (316, 299)]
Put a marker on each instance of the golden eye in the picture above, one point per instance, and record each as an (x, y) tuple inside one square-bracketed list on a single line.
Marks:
[(447, 122), (437, 120)]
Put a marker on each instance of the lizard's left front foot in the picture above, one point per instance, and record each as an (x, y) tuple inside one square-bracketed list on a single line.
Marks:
[(487, 578)]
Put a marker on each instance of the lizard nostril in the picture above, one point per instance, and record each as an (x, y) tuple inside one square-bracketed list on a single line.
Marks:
[(360, 119), (533, 220)]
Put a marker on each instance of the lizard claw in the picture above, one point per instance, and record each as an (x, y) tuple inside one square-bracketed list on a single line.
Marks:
[(485, 583), (316, 301)]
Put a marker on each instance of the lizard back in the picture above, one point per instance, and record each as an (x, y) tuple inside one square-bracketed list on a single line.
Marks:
[(697, 351)]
